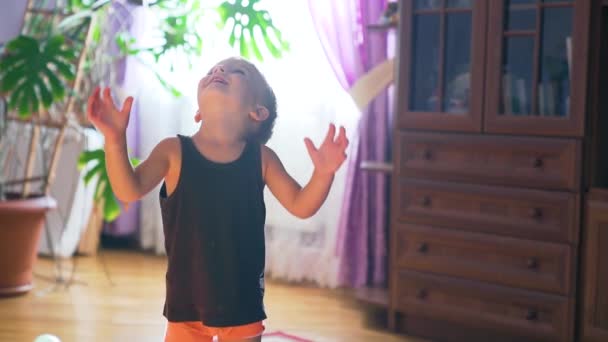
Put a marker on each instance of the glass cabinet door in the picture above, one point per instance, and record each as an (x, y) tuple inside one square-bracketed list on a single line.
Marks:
[(536, 67), (442, 64)]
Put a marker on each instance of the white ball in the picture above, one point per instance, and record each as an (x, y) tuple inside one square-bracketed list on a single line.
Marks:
[(47, 338)]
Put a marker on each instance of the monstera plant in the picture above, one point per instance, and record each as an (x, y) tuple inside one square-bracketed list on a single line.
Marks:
[(246, 19), (96, 161), (31, 73)]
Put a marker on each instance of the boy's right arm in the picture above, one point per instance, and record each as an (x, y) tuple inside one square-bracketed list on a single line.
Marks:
[(128, 184)]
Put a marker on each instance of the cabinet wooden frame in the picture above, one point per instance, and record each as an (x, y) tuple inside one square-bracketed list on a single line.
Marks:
[(598, 68)]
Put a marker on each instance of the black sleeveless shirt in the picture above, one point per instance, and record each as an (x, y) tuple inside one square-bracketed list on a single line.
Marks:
[(214, 238)]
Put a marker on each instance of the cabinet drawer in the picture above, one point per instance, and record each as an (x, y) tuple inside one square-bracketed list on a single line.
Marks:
[(545, 163), (539, 215), (532, 314), (521, 263)]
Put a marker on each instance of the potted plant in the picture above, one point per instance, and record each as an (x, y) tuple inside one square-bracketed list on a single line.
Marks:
[(46, 74), (38, 70), (34, 74)]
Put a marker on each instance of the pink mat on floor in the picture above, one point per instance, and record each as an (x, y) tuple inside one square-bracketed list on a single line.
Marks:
[(279, 336)]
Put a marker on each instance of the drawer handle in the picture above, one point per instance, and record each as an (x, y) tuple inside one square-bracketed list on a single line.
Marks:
[(423, 247), (426, 201), (536, 213), (538, 162), (533, 263), (422, 294), (532, 315)]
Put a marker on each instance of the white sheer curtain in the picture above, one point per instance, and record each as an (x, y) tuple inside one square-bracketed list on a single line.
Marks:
[(309, 98)]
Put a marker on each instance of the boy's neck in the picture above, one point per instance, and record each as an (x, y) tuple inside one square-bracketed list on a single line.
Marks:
[(219, 148), (218, 135)]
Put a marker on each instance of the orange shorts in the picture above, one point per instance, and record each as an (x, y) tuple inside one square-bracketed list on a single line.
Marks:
[(196, 331)]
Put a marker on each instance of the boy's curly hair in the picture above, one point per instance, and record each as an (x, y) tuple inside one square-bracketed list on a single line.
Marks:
[(267, 99)]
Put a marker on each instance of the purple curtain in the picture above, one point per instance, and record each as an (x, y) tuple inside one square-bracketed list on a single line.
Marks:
[(352, 50)]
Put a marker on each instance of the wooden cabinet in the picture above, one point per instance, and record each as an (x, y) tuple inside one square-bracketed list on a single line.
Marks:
[(595, 269), (488, 176)]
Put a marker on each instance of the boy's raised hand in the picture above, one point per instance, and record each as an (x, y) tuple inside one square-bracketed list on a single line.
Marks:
[(102, 112), (328, 158)]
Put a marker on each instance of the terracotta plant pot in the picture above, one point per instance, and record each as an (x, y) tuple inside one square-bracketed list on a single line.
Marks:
[(21, 223)]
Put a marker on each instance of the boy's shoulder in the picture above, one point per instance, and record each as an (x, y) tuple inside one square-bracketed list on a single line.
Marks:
[(170, 144), (268, 154), (168, 148), (267, 151)]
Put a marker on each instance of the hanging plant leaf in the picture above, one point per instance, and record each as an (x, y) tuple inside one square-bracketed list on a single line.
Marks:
[(125, 43), (96, 33), (174, 91), (31, 72), (87, 156), (111, 207), (177, 31), (103, 191), (77, 5), (74, 20), (149, 2), (246, 19)]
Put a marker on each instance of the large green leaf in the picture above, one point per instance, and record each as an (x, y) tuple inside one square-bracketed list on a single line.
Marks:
[(246, 20), (34, 73), (92, 172), (111, 207), (177, 29), (88, 156), (96, 160), (125, 44)]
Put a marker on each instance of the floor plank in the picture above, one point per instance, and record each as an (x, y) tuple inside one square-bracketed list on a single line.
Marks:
[(118, 296)]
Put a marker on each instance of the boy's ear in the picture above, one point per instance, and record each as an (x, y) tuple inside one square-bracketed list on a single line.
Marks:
[(197, 117), (260, 114)]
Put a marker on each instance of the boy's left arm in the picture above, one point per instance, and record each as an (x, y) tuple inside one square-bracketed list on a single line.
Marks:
[(304, 202)]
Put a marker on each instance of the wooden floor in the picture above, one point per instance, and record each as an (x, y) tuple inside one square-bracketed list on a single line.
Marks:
[(125, 304)]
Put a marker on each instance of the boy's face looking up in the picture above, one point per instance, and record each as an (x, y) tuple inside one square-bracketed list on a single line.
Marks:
[(229, 95)]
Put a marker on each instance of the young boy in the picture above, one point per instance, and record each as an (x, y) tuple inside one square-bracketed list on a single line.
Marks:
[(212, 198)]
